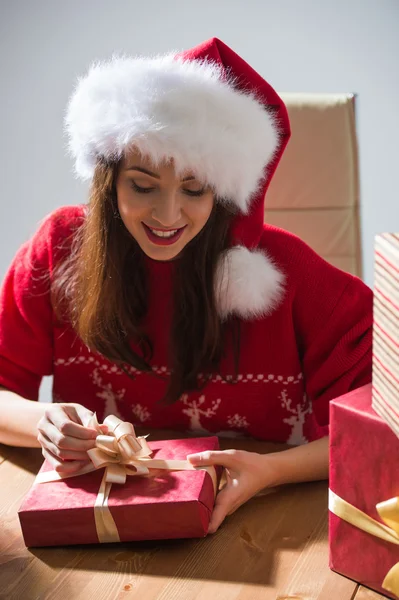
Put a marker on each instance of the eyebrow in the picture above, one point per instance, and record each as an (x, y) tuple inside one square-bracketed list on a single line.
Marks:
[(151, 174)]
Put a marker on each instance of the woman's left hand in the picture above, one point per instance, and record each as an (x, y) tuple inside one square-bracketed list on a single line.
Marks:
[(246, 473)]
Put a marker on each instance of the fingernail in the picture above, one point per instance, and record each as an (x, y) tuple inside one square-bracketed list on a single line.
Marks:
[(194, 458)]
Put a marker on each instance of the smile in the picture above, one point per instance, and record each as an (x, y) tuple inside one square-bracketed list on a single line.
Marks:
[(163, 237)]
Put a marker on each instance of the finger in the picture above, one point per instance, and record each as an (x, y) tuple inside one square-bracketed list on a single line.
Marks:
[(227, 501), (62, 421), (85, 416), (61, 454), (63, 467), (219, 513), (65, 442), (225, 458)]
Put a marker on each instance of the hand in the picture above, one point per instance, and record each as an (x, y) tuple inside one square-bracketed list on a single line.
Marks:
[(64, 437), (247, 473)]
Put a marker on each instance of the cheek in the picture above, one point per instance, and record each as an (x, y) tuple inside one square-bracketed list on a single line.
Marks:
[(129, 208), (200, 211)]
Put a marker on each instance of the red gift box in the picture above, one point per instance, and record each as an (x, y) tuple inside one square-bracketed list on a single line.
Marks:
[(364, 462), (162, 505)]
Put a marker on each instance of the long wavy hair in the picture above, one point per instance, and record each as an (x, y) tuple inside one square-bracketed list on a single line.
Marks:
[(100, 287)]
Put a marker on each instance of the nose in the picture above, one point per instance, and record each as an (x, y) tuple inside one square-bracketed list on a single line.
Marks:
[(167, 209)]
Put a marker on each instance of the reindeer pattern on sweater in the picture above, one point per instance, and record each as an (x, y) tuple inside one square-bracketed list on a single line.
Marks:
[(200, 413), (314, 346)]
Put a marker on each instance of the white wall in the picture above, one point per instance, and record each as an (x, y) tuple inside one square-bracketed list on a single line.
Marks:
[(298, 45)]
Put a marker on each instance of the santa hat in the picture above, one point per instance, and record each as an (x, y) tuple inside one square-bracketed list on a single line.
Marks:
[(215, 116)]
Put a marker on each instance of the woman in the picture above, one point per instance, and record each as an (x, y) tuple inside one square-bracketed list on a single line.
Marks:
[(167, 301)]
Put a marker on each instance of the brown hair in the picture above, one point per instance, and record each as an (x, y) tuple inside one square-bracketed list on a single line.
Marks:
[(101, 288)]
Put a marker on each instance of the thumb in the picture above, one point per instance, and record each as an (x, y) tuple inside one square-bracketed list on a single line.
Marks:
[(89, 419), (212, 457)]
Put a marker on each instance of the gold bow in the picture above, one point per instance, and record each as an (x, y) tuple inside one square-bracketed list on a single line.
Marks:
[(389, 513), (121, 453)]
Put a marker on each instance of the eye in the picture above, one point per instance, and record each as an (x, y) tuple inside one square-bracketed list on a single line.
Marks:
[(141, 190), (200, 192)]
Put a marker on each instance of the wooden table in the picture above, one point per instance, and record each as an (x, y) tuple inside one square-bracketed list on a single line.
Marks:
[(273, 548)]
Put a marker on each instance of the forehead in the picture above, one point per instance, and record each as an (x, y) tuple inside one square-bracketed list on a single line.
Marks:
[(165, 168)]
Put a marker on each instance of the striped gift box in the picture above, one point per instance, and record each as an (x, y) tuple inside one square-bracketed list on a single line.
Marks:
[(385, 398)]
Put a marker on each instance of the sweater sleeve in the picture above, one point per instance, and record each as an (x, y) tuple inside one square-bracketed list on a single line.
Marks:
[(26, 317), (331, 313), (337, 356)]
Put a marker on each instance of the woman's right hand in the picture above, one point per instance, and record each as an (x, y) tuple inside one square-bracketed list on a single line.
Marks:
[(64, 437)]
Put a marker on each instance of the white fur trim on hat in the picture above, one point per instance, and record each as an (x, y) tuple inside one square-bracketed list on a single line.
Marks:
[(248, 284), (173, 109)]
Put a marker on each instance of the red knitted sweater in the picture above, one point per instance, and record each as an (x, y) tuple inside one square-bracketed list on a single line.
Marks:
[(314, 347)]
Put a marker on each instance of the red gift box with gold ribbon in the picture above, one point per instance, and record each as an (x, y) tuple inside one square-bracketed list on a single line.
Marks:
[(134, 490), (364, 494)]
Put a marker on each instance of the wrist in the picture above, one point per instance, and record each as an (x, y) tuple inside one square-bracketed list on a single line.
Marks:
[(18, 420), (308, 462), (275, 469)]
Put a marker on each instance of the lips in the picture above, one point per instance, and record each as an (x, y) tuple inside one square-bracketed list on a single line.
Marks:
[(163, 241)]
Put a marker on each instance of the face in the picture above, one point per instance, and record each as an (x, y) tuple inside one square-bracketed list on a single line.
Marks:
[(162, 212)]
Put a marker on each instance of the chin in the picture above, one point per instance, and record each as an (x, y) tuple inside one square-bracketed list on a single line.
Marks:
[(162, 253)]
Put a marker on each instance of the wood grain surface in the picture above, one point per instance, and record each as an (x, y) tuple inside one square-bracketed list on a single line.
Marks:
[(275, 547), (366, 594)]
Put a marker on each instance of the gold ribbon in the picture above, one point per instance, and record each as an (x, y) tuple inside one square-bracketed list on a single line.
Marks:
[(389, 513), (120, 453)]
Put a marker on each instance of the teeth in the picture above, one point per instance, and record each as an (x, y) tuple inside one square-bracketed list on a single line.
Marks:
[(164, 233)]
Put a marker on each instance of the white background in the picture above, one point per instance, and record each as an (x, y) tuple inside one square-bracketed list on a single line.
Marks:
[(297, 45)]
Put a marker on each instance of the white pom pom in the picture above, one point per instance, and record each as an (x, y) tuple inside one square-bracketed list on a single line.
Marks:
[(247, 284)]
